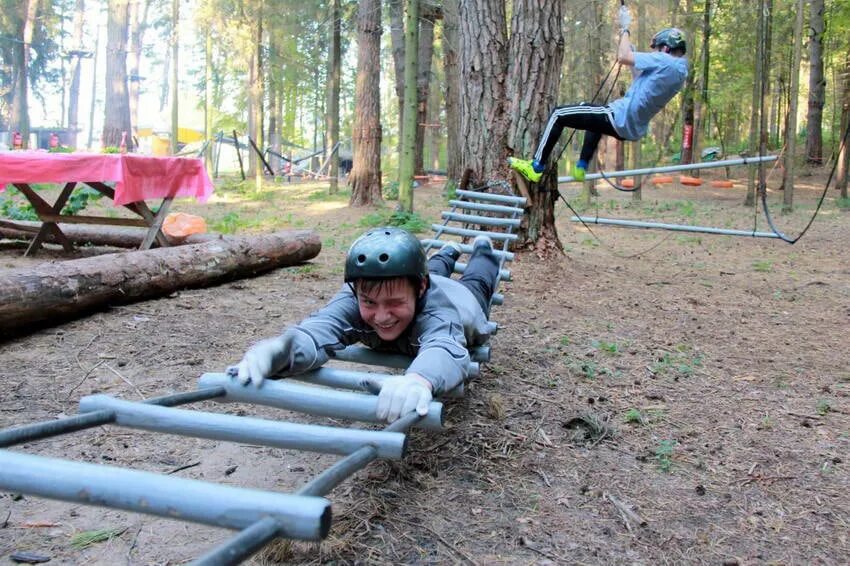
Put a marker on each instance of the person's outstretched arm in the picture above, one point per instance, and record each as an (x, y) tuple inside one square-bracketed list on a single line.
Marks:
[(625, 51)]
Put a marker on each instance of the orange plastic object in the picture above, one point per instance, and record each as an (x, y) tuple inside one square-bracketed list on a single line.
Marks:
[(690, 181), (181, 225), (718, 184), (662, 180), (628, 183)]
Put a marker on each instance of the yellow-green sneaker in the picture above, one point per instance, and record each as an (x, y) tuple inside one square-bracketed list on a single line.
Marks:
[(525, 167), (579, 173)]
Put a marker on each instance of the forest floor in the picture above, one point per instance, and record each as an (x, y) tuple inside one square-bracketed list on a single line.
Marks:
[(701, 382)]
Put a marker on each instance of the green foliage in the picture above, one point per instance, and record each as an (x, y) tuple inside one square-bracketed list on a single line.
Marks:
[(323, 196), (79, 199), (409, 221), (823, 407), (390, 191), (763, 265), (607, 347), (843, 203), (228, 224), (664, 454), (679, 364), (633, 416), (85, 539), (110, 149), (61, 149), (16, 208)]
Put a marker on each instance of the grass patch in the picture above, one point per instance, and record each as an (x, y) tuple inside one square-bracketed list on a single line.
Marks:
[(843, 203), (87, 538), (633, 416), (607, 347), (762, 265), (664, 455), (409, 221)]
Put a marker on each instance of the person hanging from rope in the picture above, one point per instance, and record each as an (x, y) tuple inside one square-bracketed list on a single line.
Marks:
[(393, 300), (657, 76)]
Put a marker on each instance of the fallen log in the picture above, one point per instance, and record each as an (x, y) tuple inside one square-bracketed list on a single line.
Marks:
[(82, 234), (54, 291)]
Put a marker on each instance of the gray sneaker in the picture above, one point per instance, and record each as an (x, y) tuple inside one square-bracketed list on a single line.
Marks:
[(453, 249), (482, 241)]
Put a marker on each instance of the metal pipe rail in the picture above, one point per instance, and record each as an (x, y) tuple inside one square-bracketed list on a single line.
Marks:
[(249, 430), (311, 400), (363, 355), (672, 168), (356, 380), (305, 518), (673, 227)]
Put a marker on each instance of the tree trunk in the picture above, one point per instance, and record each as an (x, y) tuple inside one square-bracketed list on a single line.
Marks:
[(750, 199), (767, 27), (365, 177), (701, 106), (175, 74), (483, 64), (450, 69), (423, 82), (52, 291), (258, 95), (333, 86), (817, 85), (116, 123), (83, 234), (843, 165), (688, 134), (138, 23), (208, 102), (408, 125), (396, 8), (636, 157), (20, 116), (74, 71), (534, 71), (93, 88), (791, 122)]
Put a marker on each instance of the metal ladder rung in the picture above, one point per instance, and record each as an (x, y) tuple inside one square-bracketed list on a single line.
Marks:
[(501, 236), (311, 400), (504, 274), (363, 355), (490, 197), (357, 380), (466, 248), (481, 220), (469, 205), (249, 430)]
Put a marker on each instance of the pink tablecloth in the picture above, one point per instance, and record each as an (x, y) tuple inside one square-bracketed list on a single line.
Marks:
[(135, 177)]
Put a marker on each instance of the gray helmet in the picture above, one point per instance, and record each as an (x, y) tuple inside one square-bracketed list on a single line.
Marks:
[(671, 37), (384, 253)]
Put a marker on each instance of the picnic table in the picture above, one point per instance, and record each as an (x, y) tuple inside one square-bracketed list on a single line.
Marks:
[(126, 179)]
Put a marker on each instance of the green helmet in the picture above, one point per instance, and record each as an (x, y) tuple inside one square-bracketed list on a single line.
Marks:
[(671, 37), (385, 253)]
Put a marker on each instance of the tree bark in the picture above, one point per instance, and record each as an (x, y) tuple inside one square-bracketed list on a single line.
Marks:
[(82, 234), (688, 95), (451, 70), (117, 102), (750, 199), (791, 122), (138, 24), (52, 291), (333, 86), (175, 75), (817, 85), (74, 71), (429, 15), (20, 116), (396, 8), (843, 166), (534, 71), (483, 65), (365, 177), (408, 125)]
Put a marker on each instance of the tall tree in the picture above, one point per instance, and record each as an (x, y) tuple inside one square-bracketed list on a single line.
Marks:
[(138, 24), (333, 86), (365, 177), (26, 15), (116, 122), (483, 66), (175, 74), (450, 44), (688, 94), (817, 85), (430, 12), (408, 126), (76, 55), (843, 166), (791, 122), (536, 51)]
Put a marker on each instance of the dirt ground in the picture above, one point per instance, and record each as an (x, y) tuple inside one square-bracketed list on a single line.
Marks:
[(653, 397)]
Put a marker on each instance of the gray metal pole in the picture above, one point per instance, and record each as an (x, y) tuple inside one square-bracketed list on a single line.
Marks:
[(356, 380), (300, 517), (296, 436), (311, 400), (673, 168), (363, 355), (481, 220), (491, 197), (674, 227), (495, 236), (242, 546), (466, 248)]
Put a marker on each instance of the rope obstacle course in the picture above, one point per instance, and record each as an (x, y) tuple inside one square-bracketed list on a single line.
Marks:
[(259, 516)]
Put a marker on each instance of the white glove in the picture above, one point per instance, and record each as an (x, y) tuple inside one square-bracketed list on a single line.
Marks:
[(625, 18), (402, 394), (261, 360)]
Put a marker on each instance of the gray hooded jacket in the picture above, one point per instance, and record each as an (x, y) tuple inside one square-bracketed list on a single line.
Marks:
[(449, 321)]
